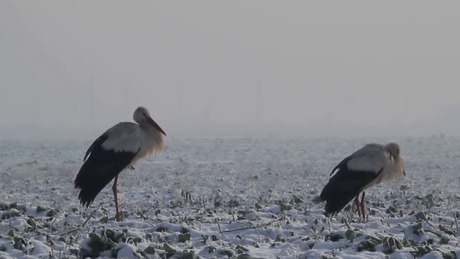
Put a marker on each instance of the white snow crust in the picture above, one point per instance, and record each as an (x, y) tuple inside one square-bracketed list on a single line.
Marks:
[(228, 197)]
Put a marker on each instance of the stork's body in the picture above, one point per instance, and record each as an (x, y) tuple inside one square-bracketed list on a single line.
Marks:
[(116, 149), (364, 168)]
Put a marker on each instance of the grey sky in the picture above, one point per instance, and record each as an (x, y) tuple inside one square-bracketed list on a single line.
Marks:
[(234, 67)]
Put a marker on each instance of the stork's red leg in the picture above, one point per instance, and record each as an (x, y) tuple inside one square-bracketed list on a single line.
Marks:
[(114, 189), (357, 205), (363, 207)]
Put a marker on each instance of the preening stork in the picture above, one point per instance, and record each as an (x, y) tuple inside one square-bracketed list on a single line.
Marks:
[(366, 167), (116, 149)]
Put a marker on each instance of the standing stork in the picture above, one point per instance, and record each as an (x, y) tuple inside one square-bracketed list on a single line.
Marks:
[(116, 149), (366, 167)]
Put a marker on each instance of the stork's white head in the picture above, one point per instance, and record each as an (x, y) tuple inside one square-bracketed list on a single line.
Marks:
[(142, 117), (393, 149), (395, 152)]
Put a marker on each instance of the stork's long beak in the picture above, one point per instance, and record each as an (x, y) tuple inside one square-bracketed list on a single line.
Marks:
[(155, 125)]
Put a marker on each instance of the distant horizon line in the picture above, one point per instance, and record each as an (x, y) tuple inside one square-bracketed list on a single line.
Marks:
[(218, 131)]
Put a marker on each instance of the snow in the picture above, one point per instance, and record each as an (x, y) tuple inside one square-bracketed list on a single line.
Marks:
[(228, 197)]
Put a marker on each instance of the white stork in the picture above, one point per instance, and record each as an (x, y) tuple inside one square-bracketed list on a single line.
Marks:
[(116, 149), (366, 167)]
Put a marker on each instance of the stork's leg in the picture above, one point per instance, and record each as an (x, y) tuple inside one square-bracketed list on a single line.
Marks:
[(363, 207), (114, 189), (357, 205)]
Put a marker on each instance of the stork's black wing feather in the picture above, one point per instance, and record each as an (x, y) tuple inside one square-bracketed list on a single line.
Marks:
[(343, 186), (97, 143), (342, 164), (99, 168)]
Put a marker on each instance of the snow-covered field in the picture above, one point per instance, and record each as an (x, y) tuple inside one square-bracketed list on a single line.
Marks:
[(228, 197)]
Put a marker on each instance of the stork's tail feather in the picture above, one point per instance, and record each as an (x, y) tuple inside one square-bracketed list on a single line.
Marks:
[(88, 191), (336, 200), (90, 185), (338, 194)]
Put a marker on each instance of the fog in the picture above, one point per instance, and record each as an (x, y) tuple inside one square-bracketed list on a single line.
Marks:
[(233, 68)]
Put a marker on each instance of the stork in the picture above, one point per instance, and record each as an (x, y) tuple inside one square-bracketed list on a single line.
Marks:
[(366, 167), (116, 149)]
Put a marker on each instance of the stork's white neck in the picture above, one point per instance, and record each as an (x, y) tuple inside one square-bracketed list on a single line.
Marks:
[(153, 139)]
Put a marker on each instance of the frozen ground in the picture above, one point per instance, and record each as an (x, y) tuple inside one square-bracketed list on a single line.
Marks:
[(235, 197)]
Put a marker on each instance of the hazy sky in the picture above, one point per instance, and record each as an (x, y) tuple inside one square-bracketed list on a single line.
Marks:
[(231, 68)]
